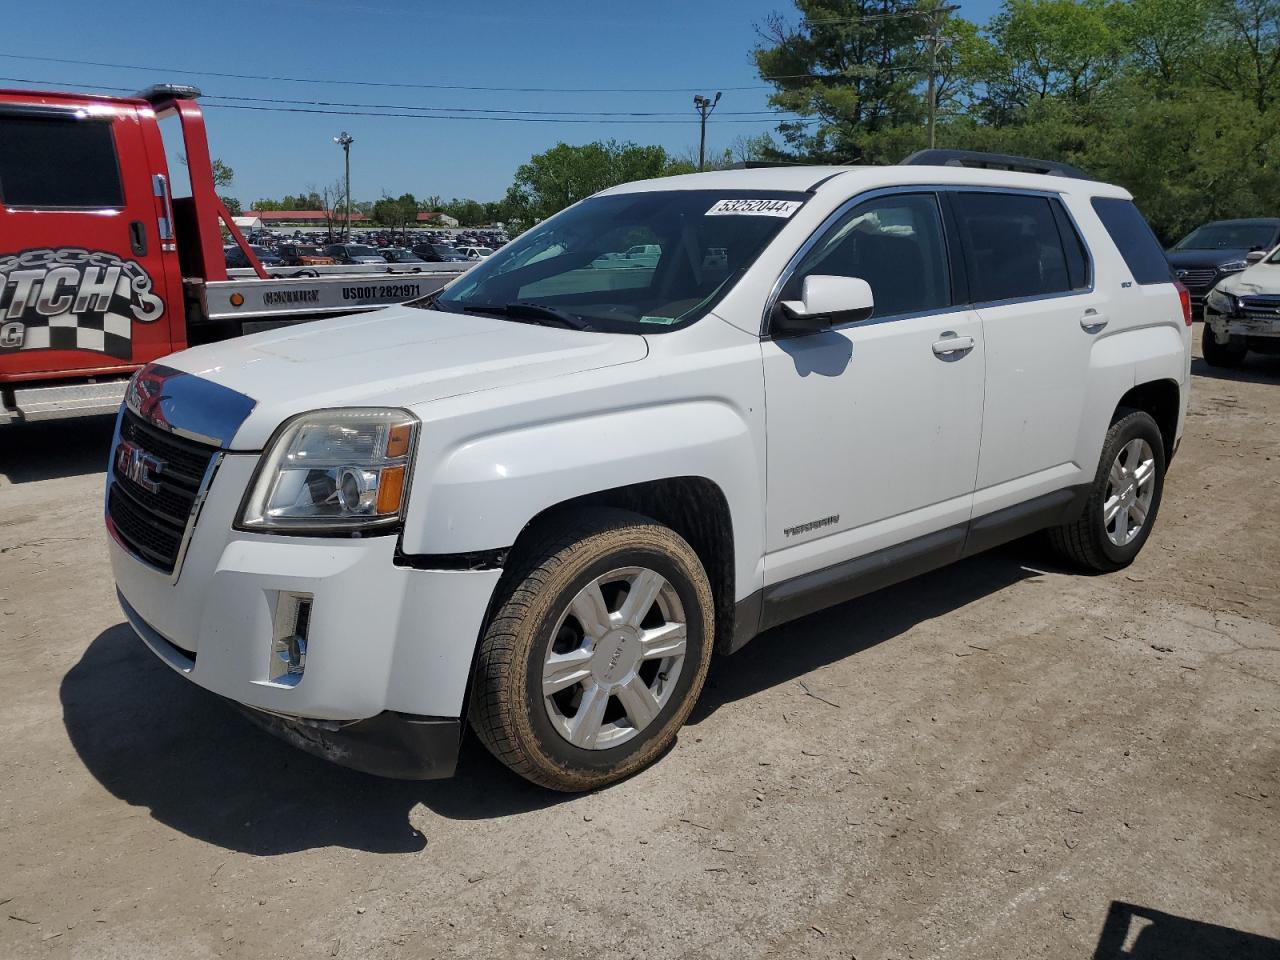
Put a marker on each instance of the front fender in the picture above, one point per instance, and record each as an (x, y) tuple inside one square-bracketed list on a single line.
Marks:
[(482, 491)]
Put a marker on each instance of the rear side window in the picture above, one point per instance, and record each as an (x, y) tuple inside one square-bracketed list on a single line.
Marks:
[(1015, 247), (1134, 239), (57, 162)]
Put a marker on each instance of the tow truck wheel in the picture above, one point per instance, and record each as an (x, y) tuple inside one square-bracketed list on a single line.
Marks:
[(596, 653), (1227, 353)]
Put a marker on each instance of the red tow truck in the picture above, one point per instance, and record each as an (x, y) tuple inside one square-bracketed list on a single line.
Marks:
[(107, 263)]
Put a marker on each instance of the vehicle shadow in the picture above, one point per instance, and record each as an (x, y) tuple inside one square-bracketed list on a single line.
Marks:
[(792, 650), (1255, 369), (53, 449), (158, 741), (1140, 933)]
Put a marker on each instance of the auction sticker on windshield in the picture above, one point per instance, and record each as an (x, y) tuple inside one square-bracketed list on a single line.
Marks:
[(754, 208)]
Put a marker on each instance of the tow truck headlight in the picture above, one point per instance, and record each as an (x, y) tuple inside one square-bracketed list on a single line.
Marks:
[(1220, 302), (333, 471)]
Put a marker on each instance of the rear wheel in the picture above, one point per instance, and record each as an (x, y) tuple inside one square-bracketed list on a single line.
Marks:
[(1229, 352), (597, 653), (1123, 499)]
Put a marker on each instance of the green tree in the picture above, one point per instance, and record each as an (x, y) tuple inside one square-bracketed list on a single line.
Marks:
[(1245, 56), (565, 174), (1051, 49), (396, 213), (468, 213), (1165, 39), (853, 69), (223, 175), (232, 205)]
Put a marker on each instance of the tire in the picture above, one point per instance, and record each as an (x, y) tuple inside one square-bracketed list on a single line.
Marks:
[(547, 737), (1091, 542), (1216, 354)]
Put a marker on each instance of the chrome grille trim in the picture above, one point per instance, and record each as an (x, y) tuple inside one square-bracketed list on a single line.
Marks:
[(1260, 307), (1196, 279), (188, 423), (155, 525)]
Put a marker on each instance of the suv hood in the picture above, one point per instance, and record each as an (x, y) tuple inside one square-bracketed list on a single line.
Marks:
[(395, 357), (1261, 278), (1203, 258)]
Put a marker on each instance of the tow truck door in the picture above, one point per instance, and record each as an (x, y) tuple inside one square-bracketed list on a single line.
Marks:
[(83, 264)]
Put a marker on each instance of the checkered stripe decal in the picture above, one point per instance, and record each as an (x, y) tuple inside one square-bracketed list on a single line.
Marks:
[(73, 299)]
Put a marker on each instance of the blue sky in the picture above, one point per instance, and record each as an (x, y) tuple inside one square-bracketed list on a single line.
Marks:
[(676, 45)]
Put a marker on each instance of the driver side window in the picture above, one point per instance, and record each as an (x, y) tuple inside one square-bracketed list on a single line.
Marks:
[(896, 244)]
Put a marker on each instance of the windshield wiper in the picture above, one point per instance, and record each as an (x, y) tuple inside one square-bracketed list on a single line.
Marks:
[(533, 312)]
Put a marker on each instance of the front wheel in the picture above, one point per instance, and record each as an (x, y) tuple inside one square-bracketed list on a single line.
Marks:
[(1229, 352), (1123, 499), (597, 652)]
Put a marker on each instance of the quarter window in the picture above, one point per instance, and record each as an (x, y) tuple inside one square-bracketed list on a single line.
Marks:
[(896, 244), (57, 162), (1134, 239), (1015, 247)]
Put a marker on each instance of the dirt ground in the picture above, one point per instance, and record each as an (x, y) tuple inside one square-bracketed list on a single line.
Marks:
[(998, 760)]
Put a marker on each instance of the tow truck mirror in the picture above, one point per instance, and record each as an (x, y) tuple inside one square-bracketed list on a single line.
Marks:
[(824, 302)]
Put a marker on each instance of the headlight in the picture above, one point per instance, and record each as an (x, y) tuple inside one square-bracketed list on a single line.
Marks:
[(1233, 266), (1220, 302), (333, 471)]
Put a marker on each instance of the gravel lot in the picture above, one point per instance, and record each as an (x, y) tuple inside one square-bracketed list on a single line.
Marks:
[(998, 760)]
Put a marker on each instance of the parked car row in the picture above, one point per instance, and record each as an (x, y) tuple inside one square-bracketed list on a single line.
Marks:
[(369, 247), (1219, 249)]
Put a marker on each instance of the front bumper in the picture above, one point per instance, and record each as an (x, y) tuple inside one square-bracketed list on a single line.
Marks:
[(1224, 326), (381, 637), (395, 745)]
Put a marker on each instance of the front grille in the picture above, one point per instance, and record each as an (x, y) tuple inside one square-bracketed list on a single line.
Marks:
[(152, 523), (1260, 308), (1197, 279)]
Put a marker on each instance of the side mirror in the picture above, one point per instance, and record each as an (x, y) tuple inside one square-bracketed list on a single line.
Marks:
[(824, 302), (1253, 256)]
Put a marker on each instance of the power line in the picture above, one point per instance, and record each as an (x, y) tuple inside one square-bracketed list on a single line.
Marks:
[(427, 116), (377, 83), (434, 113), (538, 113), (407, 106), (872, 17)]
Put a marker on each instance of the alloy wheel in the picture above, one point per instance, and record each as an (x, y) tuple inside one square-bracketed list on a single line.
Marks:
[(1131, 485), (614, 659)]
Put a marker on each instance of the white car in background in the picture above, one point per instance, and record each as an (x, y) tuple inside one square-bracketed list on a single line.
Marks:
[(475, 253), (1242, 313)]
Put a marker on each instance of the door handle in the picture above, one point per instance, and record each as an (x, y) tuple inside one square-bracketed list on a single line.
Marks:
[(952, 347), (1092, 321), (138, 238)]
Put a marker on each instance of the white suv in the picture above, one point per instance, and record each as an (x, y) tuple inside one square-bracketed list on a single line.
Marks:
[(540, 499)]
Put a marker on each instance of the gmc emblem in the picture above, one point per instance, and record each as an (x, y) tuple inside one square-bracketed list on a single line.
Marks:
[(138, 465)]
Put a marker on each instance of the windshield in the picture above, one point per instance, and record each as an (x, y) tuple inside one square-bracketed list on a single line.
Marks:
[(1228, 236), (632, 262)]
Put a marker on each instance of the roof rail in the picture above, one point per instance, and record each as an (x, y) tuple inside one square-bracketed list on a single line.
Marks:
[(993, 161), (764, 164), (168, 91)]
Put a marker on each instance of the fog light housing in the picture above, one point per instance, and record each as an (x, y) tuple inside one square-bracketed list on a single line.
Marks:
[(289, 638)]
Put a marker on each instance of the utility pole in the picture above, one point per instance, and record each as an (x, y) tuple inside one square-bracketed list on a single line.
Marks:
[(935, 39), (345, 140), (704, 108)]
